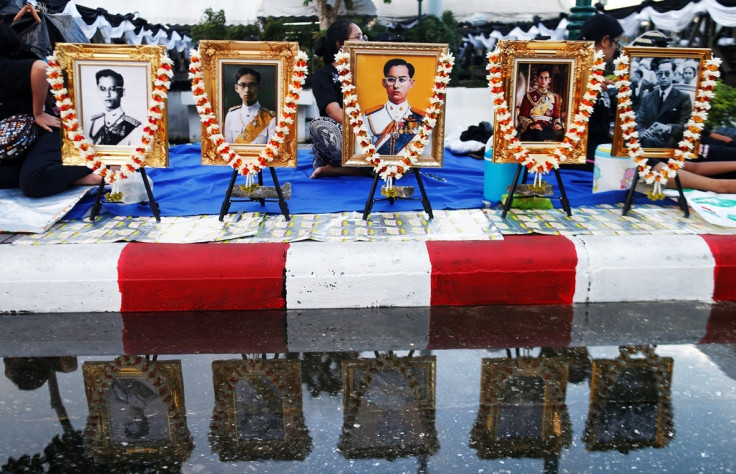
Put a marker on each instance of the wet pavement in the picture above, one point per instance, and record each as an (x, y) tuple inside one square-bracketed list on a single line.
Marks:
[(646, 387)]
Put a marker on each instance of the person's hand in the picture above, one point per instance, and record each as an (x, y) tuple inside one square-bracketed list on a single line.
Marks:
[(557, 126), (46, 121), (536, 126)]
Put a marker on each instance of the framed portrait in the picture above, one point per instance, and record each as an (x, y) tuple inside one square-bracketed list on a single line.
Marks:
[(630, 405), (389, 405), (664, 82), (393, 84), (247, 83), (110, 87), (258, 410), (544, 83), (136, 410), (522, 408)]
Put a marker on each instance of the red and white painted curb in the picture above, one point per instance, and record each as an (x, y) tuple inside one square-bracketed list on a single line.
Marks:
[(519, 270)]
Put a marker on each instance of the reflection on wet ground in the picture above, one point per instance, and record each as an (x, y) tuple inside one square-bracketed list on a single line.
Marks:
[(619, 387)]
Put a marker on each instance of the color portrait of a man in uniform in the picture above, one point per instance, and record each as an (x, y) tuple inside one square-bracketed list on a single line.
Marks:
[(394, 124), (113, 126), (249, 122), (540, 111)]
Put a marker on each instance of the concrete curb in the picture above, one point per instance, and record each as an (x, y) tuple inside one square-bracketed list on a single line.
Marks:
[(521, 269)]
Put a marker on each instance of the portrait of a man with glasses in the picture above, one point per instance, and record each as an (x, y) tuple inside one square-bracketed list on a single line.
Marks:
[(113, 126), (393, 124), (540, 111), (663, 112), (249, 122)]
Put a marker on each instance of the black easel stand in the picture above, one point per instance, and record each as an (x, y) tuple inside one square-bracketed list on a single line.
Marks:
[(229, 199), (681, 201), (510, 199), (97, 205), (425, 200)]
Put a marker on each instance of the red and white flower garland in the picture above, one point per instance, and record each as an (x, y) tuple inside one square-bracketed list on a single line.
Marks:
[(411, 152), (70, 121), (248, 167), (691, 134), (539, 163)]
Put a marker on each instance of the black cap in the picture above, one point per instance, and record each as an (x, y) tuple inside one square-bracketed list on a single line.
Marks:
[(600, 25)]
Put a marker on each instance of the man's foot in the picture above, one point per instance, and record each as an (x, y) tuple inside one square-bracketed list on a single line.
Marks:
[(89, 180), (331, 170)]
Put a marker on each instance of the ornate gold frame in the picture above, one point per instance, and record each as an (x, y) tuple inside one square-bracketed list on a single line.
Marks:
[(163, 378), (699, 55), (215, 56), (574, 56), (415, 420), (501, 377), (72, 57), (282, 376), (605, 400), (366, 79)]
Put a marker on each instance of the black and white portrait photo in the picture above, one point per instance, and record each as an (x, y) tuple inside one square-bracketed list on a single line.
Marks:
[(114, 102)]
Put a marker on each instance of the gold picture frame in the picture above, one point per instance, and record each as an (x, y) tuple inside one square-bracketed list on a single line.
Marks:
[(136, 410), (86, 67), (630, 402), (522, 409), (389, 407), (675, 111), (367, 62), (541, 130), (273, 61), (258, 410)]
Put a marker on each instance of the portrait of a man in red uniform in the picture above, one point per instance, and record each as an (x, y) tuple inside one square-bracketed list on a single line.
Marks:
[(540, 111)]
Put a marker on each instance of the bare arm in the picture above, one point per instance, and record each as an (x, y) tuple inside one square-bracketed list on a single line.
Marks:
[(39, 90), (334, 111)]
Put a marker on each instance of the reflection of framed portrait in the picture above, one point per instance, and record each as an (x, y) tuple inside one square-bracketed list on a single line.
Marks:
[(630, 404), (110, 87), (136, 408), (664, 82), (394, 86), (258, 410), (544, 82), (389, 407), (247, 83), (522, 408)]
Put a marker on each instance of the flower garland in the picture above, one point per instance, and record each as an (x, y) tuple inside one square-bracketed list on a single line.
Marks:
[(542, 164), (691, 134), (246, 167), (70, 121), (411, 152)]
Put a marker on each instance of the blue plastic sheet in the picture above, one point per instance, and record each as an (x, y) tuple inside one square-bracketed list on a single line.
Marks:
[(187, 188)]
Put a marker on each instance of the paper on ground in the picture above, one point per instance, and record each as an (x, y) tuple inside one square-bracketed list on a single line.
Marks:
[(19, 213)]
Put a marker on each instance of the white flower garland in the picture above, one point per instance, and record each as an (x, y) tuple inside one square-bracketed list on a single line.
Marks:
[(248, 167), (542, 164), (691, 134), (411, 152), (70, 121)]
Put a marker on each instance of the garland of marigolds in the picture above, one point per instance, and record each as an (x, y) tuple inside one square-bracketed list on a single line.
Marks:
[(245, 166), (691, 134), (542, 164), (411, 152), (70, 120)]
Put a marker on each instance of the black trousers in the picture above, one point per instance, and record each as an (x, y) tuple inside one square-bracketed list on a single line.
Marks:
[(40, 172)]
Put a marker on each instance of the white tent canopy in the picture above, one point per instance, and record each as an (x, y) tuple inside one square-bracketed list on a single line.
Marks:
[(473, 11), (239, 12)]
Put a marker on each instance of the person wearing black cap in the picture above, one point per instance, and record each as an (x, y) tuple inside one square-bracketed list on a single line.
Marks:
[(605, 31)]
